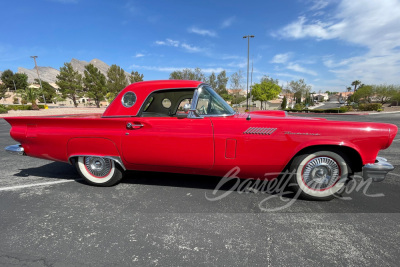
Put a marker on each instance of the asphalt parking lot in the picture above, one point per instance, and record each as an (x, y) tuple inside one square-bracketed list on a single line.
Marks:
[(48, 217)]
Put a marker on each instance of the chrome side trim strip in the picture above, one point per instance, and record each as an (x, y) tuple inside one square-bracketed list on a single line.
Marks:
[(16, 150), (115, 158)]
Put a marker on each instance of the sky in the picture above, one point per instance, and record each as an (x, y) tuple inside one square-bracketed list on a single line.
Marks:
[(329, 44)]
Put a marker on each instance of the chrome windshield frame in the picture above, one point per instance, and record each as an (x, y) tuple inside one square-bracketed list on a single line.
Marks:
[(193, 114)]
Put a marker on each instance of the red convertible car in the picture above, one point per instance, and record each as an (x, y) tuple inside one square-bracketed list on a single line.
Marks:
[(186, 127)]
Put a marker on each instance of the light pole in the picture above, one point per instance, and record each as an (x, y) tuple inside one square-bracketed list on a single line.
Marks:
[(40, 81), (248, 51)]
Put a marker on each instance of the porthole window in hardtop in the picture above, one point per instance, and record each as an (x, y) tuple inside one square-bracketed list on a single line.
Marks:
[(129, 99), (166, 103)]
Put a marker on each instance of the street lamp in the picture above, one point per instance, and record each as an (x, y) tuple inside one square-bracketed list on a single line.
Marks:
[(248, 51), (40, 81)]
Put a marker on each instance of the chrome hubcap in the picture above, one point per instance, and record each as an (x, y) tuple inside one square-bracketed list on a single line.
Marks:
[(98, 166), (321, 173)]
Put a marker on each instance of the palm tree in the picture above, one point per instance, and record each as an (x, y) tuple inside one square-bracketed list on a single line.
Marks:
[(355, 84), (30, 95)]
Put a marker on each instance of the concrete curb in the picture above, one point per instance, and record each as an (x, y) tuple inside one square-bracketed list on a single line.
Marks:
[(389, 112), (313, 113)]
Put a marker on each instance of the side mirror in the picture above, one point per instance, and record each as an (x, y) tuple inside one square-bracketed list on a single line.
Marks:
[(186, 108)]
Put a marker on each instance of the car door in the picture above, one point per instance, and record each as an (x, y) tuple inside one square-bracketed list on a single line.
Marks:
[(169, 141)]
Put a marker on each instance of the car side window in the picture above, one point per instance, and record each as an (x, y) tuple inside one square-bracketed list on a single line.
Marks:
[(183, 103), (166, 103)]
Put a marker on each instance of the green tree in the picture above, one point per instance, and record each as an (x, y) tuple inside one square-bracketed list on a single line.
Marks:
[(7, 78), (265, 91), (396, 96), (70, 83), (30, 95), (384, 93), (135, 77), (95, 84), (363, 94), (212, 80), (3, 91), (237, 80), (300, 89), (187, 74), (355, 84), (266, 78), (48, 91), (12, 81), (284, 103), (21, 80), (116, 81), (222, 81), (237, 99)]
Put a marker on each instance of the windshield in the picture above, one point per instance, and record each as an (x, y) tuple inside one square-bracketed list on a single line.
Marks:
[(210, 103)]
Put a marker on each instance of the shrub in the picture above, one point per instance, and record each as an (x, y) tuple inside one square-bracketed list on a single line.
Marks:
[(348, 108), (332, 110), (23, 107), (15, 100), (370, 107), (3, 109), (298, 106)]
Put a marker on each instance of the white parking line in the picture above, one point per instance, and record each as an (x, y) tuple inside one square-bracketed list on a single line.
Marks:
[(32, 185), (396, 140)]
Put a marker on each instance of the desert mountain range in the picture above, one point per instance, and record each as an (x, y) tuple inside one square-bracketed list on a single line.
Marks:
[(49, 74)]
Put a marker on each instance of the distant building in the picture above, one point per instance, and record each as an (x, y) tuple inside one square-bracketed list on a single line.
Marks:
[(236, 92), (321, 97)]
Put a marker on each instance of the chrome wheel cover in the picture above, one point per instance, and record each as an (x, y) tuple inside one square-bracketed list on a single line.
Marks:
[(321, 173), (97, 166)]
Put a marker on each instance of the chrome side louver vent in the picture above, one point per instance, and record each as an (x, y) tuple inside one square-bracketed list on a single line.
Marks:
[(260, 130)]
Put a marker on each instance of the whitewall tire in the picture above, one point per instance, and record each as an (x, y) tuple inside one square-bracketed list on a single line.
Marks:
[(98, 171), (319, 175)]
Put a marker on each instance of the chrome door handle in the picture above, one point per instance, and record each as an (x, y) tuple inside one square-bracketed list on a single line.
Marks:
[(133, 126)]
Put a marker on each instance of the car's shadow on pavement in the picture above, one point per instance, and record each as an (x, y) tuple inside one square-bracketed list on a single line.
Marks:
[(190, 181), (59, 170), (56, 170)]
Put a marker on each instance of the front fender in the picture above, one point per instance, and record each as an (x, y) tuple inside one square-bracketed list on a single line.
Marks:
[(330, 142)]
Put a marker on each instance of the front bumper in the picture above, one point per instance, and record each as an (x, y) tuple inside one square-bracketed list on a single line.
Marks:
[(378, 170), (16, 150)]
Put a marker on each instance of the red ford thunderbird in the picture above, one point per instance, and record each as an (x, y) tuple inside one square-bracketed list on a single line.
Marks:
[(185, 127)]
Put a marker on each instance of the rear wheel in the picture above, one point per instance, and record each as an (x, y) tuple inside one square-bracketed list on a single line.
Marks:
[(98, 170), (319, 174)]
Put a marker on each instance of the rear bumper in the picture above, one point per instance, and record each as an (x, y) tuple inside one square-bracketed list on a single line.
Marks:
[(16, 150), (378, 170)]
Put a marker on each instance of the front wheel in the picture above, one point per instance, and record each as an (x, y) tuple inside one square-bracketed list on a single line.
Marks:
[(98, 170), (319, 175)]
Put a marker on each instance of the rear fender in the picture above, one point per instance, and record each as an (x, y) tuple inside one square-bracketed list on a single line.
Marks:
[(90, 146)]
